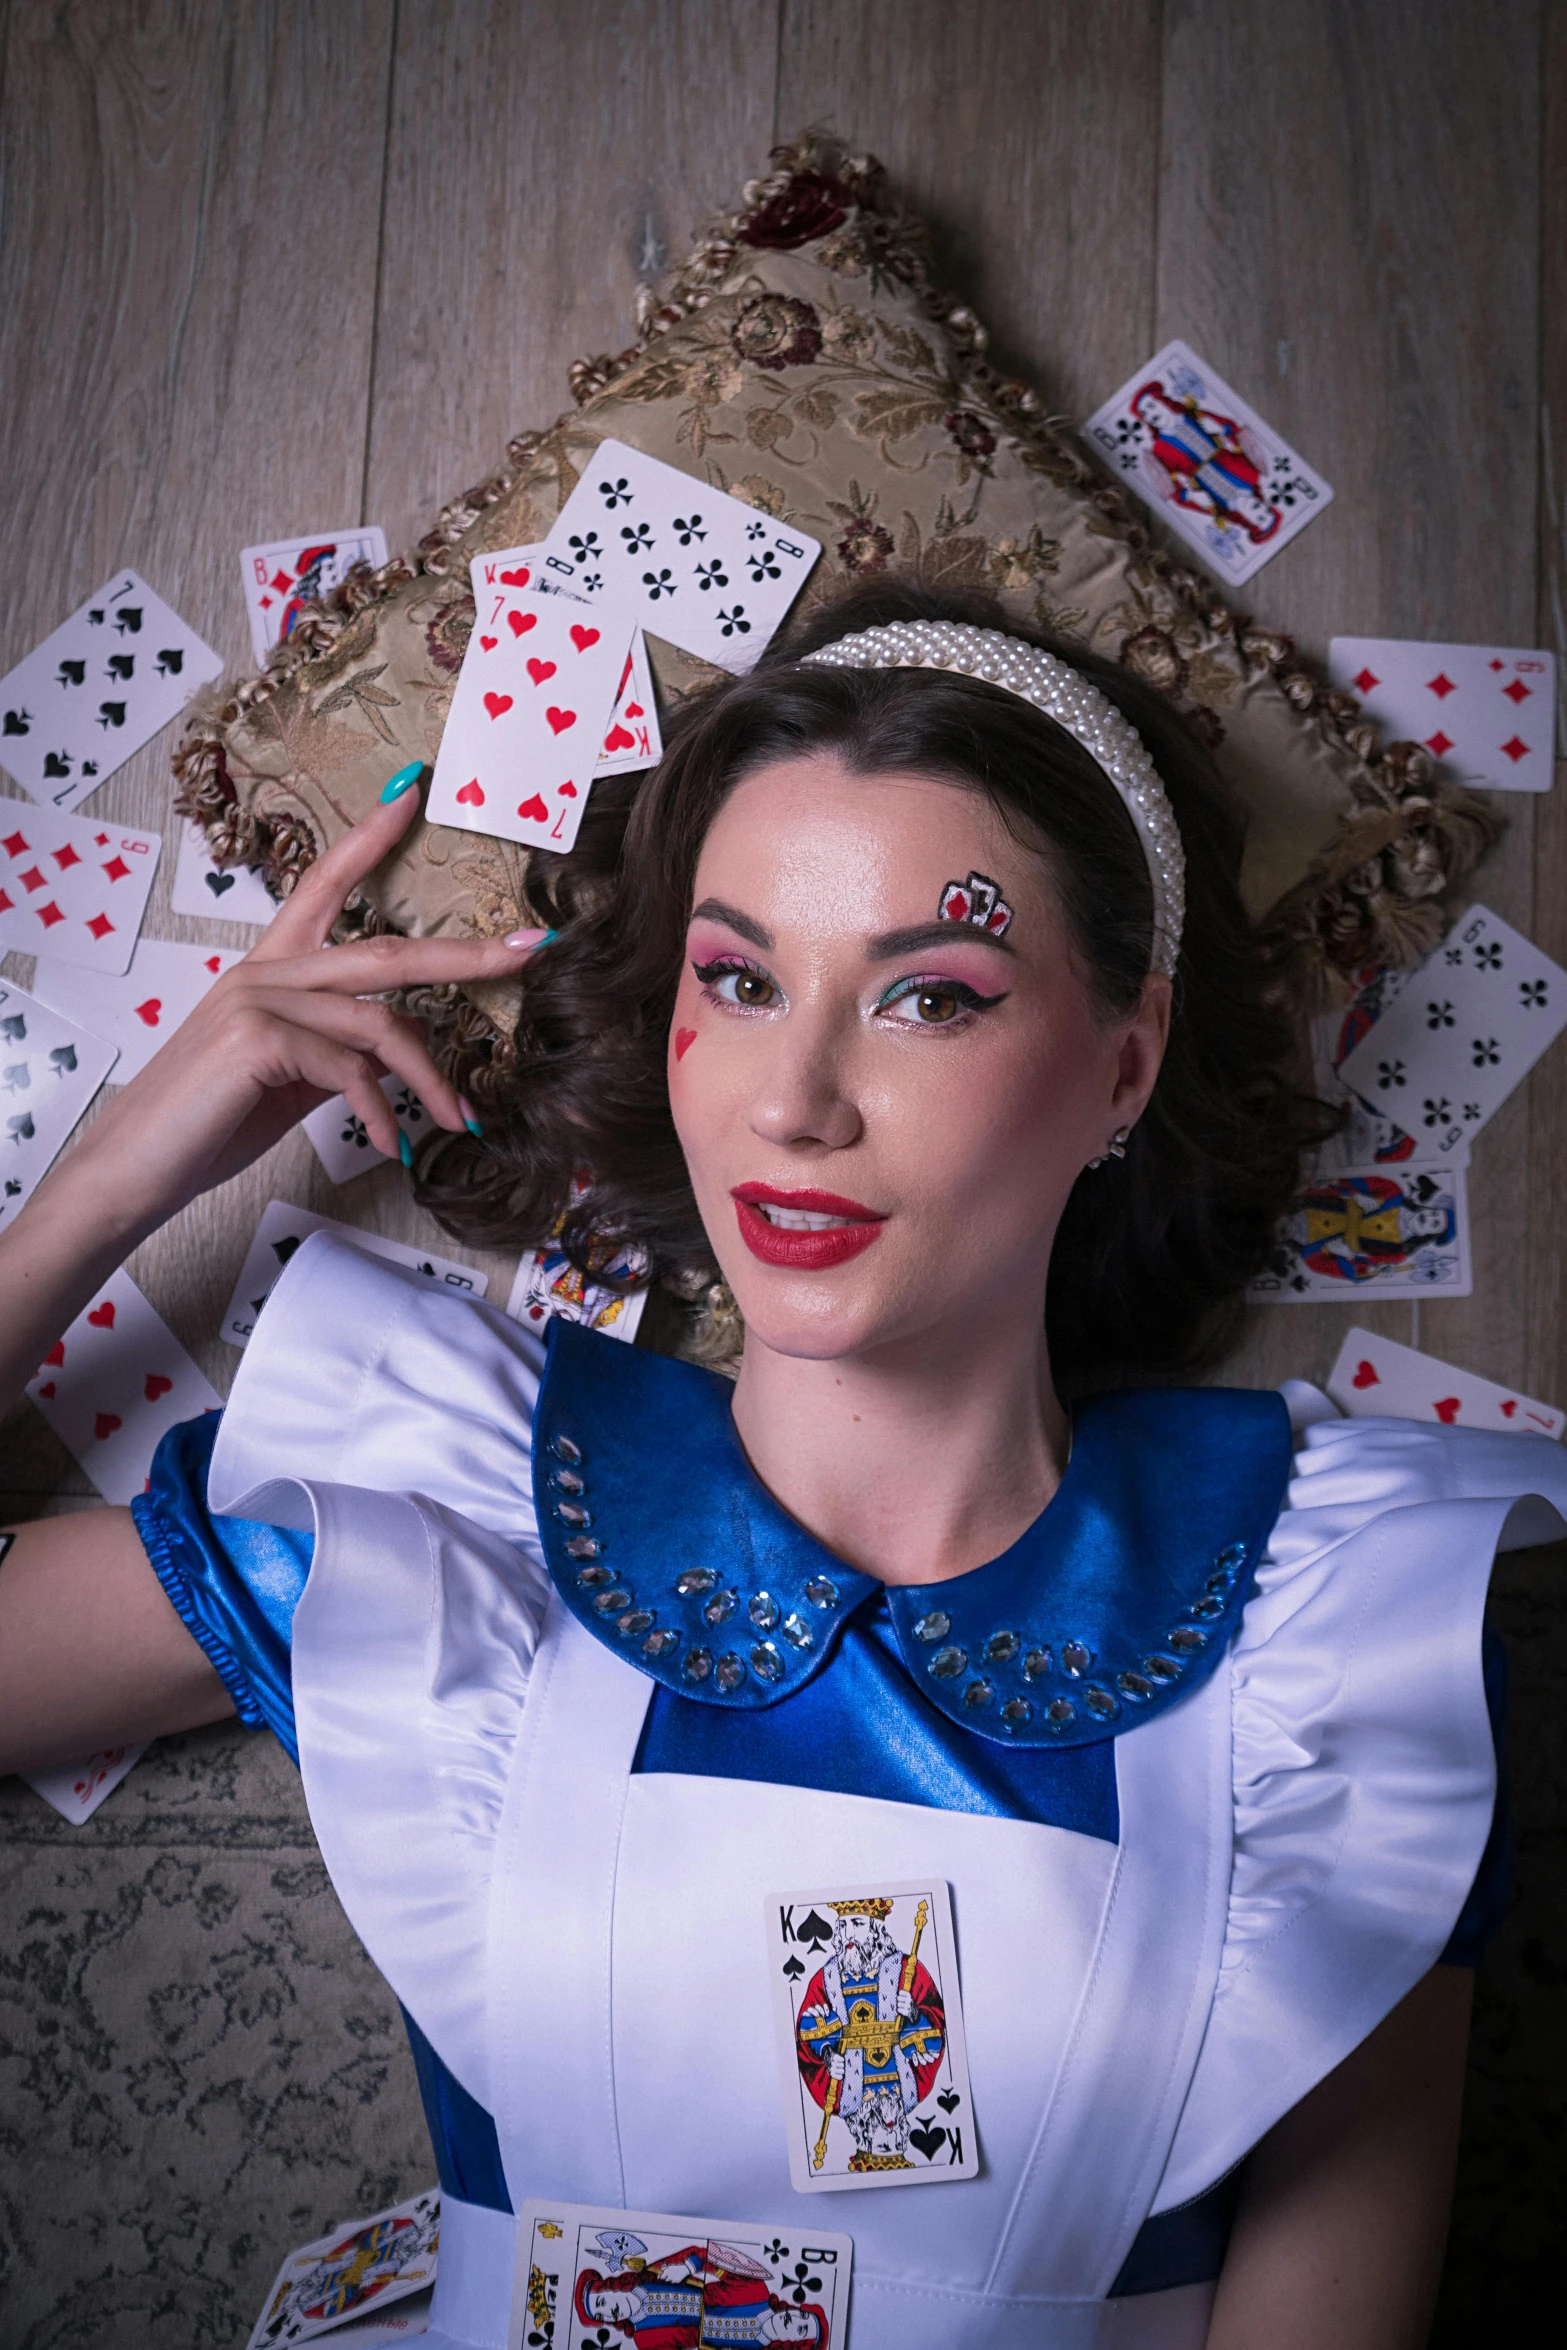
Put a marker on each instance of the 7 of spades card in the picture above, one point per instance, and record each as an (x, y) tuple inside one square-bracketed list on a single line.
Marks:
[(869, 2024)]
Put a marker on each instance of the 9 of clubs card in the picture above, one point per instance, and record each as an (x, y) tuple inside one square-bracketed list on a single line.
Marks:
[(589, 2275), (869, 2025)]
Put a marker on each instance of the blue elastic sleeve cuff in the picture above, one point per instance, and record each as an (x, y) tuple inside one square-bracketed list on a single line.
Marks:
[(233, 1584), (1490, 1896)]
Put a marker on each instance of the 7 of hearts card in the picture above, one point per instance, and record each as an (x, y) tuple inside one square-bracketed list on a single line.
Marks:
[(869, 2028), (588, 2274)]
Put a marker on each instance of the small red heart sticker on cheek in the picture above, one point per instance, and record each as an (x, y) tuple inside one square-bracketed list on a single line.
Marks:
[(489, 643), (56, 1355), (471, 796), (497, 704), (1447, 1410), (534, 811), (1366, 1375), (151, 1011), (156, 1385), (583, 637), (560, 719), (685, 1038), (516, 578), (105, 1425), (102, 1317), (520, 622), (47, 1391)]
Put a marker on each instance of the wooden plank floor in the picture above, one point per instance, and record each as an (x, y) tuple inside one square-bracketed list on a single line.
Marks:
[(267, 267)]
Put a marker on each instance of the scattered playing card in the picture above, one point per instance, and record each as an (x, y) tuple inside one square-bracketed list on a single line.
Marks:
[(360, 2266), (281, 1230), (548, 1283), (115, 1384), (287, 573), (71, 888), (49, 1071), (341, 1140), (633, 740), (232, 893), (699, 568), (1467, 1027), (589, 2274), (137, 1010), (1375, 1378), (97, 689), (1366, 1139), (75, 1790), (1372, 1231), (870, 2037), (1486, 711), (1223, 480)]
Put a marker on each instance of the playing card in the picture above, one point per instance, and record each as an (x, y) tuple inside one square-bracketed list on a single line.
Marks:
[(1488, 712), (1372, 1231), (361, 2266), (1375, 1378), (531, 707), (1366, 1138), (1222, 479), (589, 2274), (280, 1232), (633, 740), (49, 1071), (97, 689), (870, 2037), (341, 1140), (75, 1790), (1469, 1026), (71, 888), (115, 1384), (234, 893), (286, 573), (697, 567), (139, 1009), (548, 1283)]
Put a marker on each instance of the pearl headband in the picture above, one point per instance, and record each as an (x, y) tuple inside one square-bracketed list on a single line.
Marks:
[(1038, 677)]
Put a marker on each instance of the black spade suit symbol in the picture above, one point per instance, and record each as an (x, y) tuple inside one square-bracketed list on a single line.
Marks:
[(128, 620), (111, 714), (18, 722), (929, 2137), (813, 1929), (72, 673), (122, 666), (21, 1129), (949, 2100), (56, 763), (12, 1187), (62, 1059), (13, 1028), (283, 1249), (170, 661), (793, 1968), (218, 882)]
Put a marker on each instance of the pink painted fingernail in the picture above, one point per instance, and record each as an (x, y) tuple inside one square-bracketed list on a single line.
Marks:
[(529, 938)]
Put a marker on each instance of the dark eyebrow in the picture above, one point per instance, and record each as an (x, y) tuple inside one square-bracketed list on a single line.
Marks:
[(714, 910), (893, 943)]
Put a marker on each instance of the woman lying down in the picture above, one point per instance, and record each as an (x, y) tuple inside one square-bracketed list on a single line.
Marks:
[(953, 1791)]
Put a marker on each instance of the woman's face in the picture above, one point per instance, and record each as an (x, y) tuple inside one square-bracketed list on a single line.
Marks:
[(882, 1112)]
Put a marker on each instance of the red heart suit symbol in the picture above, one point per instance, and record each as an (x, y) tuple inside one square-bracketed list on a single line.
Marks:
[(489, 643), (516, 578), (685, 1038), (56, 1355), (102, 1317), (583, 637), (48, 1390), (497, 704), (540, 670), (618, 739), (1366, 1375), (520, 622), (471, 796), (568, 791), (634, 710), (151, 1011), (1446, 1410), (105, 1425), (156, 1385), (214, 963), (534, 811), (560, 719), (1509, 1407)]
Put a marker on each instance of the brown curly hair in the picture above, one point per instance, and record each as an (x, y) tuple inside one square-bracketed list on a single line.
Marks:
[(1153, 1250)]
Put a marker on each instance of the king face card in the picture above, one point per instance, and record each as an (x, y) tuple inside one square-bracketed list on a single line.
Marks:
[(73, 889), (548, 1283), (1375, 1378), (588, 2275), (1375, 1231), (869, 2020), (364, 2265), (92, 693), (1223, 480), (285, 1228), (115, 1384), (1487, 712), (286, 574), (697, 567), (49, 1071), (1467, 1027)]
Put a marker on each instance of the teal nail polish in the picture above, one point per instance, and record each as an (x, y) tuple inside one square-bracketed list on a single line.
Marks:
[(405, 1149), (549, 938), (403, 780), (474, 1128)]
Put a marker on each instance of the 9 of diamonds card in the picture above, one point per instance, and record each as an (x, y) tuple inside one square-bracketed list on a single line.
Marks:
[(73, 889)]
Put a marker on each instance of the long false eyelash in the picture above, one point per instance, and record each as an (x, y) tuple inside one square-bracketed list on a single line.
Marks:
[(920, 983), (721, 965)]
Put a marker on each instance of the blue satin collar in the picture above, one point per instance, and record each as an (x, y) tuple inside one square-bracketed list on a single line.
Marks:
[(1119, 1598)]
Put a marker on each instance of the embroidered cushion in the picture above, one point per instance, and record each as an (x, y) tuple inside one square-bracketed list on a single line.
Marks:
[(802, 360)]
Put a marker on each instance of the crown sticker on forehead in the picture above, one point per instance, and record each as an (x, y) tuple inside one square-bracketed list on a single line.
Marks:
[(977, 901)]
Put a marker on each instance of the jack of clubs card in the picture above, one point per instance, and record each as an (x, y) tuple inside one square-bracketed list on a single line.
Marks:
[(872, 2061)]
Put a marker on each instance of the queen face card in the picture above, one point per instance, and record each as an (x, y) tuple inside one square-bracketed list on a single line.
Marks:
[(286, 574), (1375, 1378), (548, 1283), (364, 2265), (283, 1228), (136, 1010), (697, 567), (115, 1384), (73, 889), (1375, 1231), (1468, 1026), (102, 685), (1222, 479), (1488, 712), (589, 2275), (869, 2021), (49, 1071)]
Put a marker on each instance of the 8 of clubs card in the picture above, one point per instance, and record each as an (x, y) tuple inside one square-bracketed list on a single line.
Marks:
[(869, 2022), (588, 2274)]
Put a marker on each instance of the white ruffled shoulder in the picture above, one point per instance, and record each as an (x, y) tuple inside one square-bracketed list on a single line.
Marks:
[(1364, 1768)]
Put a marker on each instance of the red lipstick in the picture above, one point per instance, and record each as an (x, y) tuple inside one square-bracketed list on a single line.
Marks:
[(808, 1230)]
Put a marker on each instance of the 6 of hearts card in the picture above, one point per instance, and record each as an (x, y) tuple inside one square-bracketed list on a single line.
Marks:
[(49, 1071), (115, 1384), (71, 888), (869, 2026), (588, 2274)]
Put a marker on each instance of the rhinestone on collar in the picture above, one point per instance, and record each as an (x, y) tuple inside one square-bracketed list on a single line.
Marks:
[(1067, 697)]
